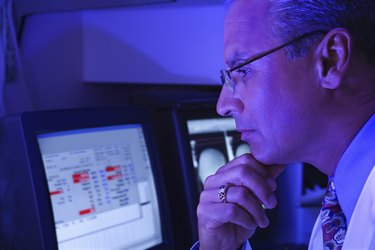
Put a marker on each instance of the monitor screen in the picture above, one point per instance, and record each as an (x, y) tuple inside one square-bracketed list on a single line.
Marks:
[(90, 179), (102, 188)]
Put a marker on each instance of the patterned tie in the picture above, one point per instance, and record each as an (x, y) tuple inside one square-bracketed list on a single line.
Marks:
[(332, 219)]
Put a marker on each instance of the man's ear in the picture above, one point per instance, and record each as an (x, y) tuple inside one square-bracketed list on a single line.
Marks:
[(333, 57)]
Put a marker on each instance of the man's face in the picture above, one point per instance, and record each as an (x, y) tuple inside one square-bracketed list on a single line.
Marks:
[(275, 101)]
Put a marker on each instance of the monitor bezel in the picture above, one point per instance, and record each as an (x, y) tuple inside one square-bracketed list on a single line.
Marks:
[(36, 123)]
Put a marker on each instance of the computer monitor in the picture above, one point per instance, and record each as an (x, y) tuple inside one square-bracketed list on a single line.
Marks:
[(83, 179)]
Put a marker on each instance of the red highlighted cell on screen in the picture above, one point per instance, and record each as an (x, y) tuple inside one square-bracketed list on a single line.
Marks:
[(81, 177), (56, 192), (114, 177), (87, 211), (112, 168)]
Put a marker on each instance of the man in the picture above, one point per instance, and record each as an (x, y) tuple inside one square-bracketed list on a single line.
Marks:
[(300, 84)]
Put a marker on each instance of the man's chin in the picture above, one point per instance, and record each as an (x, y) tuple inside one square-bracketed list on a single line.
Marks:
[(265, 157)]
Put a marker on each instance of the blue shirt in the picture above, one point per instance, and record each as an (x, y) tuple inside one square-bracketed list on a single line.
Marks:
[(354, 167)]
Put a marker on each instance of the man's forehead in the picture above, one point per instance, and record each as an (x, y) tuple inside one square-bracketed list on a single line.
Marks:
[(245, 29), (248, 10), (245, 19)]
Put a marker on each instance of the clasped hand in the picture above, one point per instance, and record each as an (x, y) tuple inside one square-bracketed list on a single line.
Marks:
[(227, 223)]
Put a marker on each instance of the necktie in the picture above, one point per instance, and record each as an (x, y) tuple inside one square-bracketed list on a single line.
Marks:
[(332, 219)]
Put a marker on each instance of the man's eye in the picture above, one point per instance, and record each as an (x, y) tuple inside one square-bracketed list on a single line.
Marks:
[(242, 72)]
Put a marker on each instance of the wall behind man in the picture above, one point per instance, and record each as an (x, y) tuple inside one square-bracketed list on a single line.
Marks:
[(63, 52), (174, 43)]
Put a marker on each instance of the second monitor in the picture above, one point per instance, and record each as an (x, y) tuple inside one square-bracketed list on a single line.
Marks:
[(213, 141)]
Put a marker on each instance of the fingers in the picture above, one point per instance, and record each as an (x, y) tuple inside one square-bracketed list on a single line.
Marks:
[(240, 198), (225, 213), (246, 171), (272, 171), (223, 225), (229, 217), (247, 158)]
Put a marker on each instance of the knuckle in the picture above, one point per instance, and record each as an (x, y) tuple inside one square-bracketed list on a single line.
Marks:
[(204, 196), (245, 172), (242, 194), (231, 210), (201, 196), (245, 158), (208, 180), (200, 211)]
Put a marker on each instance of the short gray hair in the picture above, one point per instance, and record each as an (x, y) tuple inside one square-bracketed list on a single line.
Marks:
[(292, 18)]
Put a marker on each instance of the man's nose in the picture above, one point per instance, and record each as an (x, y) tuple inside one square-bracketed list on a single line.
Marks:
[(227, 103)]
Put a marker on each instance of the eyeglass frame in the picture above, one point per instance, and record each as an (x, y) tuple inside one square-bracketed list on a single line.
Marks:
[(225, 75)]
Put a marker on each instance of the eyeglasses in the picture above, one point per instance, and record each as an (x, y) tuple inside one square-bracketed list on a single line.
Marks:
[(228, 80)]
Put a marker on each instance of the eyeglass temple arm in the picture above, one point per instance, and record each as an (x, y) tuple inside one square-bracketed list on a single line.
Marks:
[(274, 49)]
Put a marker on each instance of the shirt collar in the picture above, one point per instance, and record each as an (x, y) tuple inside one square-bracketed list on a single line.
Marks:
[(354, 167)]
